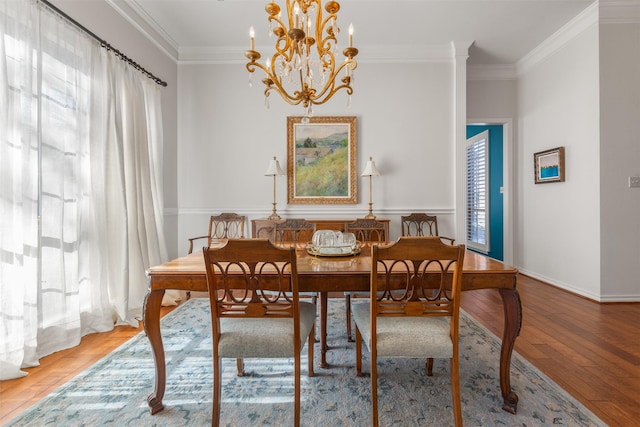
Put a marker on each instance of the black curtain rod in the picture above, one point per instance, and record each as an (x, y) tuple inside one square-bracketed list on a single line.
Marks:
[(106, 45)]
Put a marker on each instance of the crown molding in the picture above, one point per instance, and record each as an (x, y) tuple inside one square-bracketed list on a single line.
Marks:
[(405, 53), (367, 54), (620, 11), (585, 20), (140, 20)]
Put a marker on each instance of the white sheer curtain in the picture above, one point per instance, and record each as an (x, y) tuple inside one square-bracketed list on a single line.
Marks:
[(80, 189)]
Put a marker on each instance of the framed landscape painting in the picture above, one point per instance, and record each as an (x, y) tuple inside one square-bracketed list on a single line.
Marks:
[(321, 160), (549, 165)]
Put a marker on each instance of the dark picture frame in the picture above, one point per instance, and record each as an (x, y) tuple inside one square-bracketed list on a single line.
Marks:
[(549, 165)]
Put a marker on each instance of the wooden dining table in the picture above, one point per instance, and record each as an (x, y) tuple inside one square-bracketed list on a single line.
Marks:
[(326, 275)]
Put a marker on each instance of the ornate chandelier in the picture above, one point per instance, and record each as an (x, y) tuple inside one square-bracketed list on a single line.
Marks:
[(304, 68)]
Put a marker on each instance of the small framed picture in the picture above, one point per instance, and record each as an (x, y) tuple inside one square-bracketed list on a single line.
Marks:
[(549, 165)]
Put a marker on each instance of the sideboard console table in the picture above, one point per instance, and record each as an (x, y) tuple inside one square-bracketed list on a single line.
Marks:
[(321, 224)]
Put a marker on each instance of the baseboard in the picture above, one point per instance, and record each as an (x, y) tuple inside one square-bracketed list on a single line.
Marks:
[(580, 293)]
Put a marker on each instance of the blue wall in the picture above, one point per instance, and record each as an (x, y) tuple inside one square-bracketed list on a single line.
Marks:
[(496, 228)]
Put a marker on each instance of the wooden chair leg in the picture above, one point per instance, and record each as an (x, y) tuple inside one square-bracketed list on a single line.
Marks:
[(310, 345), (358, 352), (217, 390), (374, 390), (296, 390), (240, 365), (455, 392), (430, 366), (323, 316), (314, 300), (347, 310)]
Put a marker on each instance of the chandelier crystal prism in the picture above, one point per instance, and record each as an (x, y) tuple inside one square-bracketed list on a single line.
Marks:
[(304, 68)]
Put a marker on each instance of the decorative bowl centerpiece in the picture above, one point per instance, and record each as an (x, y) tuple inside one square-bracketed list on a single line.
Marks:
[(333, 243)]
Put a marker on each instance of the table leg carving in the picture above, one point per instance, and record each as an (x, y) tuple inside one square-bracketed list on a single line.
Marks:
[(151, 319), (512, 323), (324, 306)]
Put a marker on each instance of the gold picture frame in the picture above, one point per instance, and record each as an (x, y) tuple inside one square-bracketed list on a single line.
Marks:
[(321, 160), (549, 165)]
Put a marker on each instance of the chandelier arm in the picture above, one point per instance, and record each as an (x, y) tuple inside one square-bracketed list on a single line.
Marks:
[(275, 84), (277, 81), (330, 85), (282, 50), (330, 62), (333, 92), (278, 21), (330, 35), (325, 47), (290, 8), (326, 20), (321, 25), (287, 99), (279, 87), (252, 65), (282, 38)]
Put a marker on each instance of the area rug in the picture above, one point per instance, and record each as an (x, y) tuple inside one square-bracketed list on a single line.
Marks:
[(114, 390)]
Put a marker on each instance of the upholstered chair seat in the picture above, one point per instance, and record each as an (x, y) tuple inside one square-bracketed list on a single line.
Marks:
[(397, 336), (266, 338)]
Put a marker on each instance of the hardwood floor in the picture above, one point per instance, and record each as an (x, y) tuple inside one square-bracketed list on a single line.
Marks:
[(591, 350), (18, 395)]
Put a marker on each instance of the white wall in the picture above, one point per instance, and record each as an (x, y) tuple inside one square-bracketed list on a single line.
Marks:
[(619, 159), (492, 98), (226, 139), (557, 231)]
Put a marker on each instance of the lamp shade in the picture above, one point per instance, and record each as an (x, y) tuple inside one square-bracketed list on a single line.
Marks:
[(370, 169), (274, 168)]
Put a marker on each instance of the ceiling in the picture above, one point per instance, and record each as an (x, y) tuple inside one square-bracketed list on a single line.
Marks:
[(503, 31)]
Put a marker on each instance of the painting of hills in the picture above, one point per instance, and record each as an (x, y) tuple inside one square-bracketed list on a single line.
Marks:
[(322, 160)]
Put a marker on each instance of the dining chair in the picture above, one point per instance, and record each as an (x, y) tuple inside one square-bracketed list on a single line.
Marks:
[(365, 230), (296, 230), (255, 309), (227, 225), (265, 231), (416, 311), (421, 224), (224, 226), (293, 230)]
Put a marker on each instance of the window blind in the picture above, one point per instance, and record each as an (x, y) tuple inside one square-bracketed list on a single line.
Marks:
[(478, 192)]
